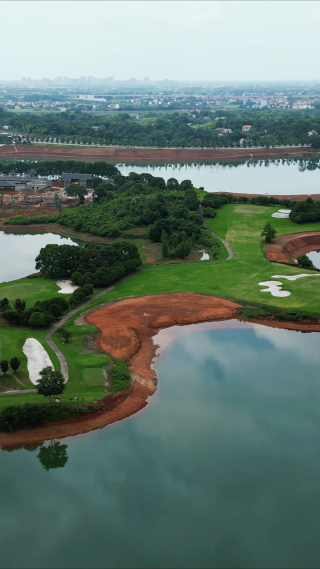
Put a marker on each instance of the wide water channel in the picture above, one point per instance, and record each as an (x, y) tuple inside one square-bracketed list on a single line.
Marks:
[(220, 470), (282, 177)]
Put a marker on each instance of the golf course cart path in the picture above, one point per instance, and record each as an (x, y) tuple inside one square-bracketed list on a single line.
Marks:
[(225, 243)]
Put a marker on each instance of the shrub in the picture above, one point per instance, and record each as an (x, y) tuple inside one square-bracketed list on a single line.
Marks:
[(120, 376), (75, 277), (56, 310), (37, 319), (305, 262), (88, 290), (63, 303)]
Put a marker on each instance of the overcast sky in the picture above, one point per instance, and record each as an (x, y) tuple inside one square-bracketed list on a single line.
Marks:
[(203, 40)]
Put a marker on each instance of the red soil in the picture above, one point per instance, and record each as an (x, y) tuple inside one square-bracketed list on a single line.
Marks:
[(297, 198), (137, 154), (287, 248), (127, 333)]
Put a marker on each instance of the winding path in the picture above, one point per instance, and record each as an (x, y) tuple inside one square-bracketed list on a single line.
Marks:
[(225, 243)]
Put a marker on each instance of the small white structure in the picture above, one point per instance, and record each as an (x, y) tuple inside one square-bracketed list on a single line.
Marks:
[(37, 358)]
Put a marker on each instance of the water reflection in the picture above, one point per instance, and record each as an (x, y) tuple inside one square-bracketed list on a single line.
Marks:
[(51, 455), (314, 256), (271, 176)]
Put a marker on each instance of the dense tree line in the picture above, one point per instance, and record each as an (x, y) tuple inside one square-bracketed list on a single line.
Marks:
[(56, 260), (305, 212), (270, 127), (58, 167), (43, 313)]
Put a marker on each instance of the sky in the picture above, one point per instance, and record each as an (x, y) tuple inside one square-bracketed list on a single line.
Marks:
[(178, 40)]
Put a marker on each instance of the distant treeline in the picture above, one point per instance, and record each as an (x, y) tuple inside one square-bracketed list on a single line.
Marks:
[(197, 129), (57, 167)]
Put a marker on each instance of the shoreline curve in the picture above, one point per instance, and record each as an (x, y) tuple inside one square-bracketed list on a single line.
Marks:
[(127, 328)]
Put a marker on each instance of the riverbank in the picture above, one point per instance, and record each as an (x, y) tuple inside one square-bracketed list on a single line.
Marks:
[(127, 330), (151, 154)]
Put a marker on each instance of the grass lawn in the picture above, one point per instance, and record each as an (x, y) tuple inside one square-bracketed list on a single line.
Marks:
[(237, 278), (30, 290), (86, 377), (11, 344)]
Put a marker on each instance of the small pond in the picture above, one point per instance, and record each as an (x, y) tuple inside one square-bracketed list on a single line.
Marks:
[(19, 250), (314, 256), (220, 470)]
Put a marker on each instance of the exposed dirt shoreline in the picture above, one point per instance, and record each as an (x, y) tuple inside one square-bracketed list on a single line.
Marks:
[(148, 154), (127, 330), (286, 248)]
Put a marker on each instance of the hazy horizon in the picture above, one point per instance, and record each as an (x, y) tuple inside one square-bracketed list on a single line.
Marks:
[(204, 41)]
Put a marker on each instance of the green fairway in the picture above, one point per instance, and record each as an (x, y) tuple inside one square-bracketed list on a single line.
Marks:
[(30, 290), (86, 378), (237, 278)]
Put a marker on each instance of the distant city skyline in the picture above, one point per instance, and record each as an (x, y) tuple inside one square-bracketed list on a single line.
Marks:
[(175, 40)]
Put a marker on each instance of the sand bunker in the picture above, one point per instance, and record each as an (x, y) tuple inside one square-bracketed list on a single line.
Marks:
[(205, 256), (275, 287), (37, 358), (294, 277), (67, 287), (283, 213)]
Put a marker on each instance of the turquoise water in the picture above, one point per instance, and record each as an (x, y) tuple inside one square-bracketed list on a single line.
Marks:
[(221, 469), (282, 177), (18, 252)]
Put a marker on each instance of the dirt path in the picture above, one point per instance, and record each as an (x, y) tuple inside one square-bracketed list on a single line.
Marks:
[(225, 243)]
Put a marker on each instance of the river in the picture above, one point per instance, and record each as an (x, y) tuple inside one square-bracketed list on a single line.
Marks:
[(220, 470), (282, 177)]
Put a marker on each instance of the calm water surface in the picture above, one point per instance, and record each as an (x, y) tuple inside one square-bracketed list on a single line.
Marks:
[(221, 469), (283, 177), (314, 256), (18, 252)]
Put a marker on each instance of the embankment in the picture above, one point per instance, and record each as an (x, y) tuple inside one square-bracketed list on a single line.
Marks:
[(146, 154), (286, 248)]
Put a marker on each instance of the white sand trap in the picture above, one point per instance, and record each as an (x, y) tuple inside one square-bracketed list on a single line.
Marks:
[(275, 288), (294, 277), (205, 256), (283, 213), (67, 287), (37, 358)]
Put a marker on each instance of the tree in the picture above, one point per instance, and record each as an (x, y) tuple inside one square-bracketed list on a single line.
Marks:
[(4, 304), (75, 277), (77, 191), (4, 366), (268, 232), (56, 310), (66, 335), (305, 262), (165, 249), (15, 363), (51, 383), (58, 201), (37, 319), (19, 305)]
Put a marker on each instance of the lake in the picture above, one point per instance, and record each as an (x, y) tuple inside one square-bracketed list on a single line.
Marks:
[(314, 256), (282, 176), (18, 252), (220, 470)]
